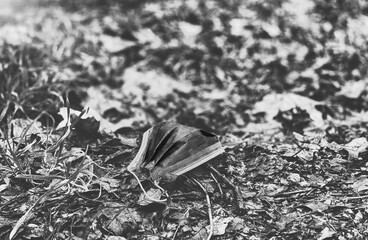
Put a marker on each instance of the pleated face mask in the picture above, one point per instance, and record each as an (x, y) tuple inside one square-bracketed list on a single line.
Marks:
[(170, 149)]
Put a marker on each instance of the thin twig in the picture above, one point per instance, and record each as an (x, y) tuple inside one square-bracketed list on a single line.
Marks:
[(285, 194), (180, 224), (357, 197), (208, 204), (218, 185), (237, 195)]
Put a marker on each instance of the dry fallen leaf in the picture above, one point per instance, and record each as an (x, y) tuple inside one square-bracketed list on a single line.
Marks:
[(220, 225), (353, 89), (152, 193), (360, 185), (356, 146), (326, 233), (121, 220)]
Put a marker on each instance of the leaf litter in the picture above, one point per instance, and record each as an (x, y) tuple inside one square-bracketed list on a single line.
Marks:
[(282, 84)]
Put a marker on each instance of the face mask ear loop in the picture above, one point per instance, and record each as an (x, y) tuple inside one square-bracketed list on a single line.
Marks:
[(144, 191), (155, 182)]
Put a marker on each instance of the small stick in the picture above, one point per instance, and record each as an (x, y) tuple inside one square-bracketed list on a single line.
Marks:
[(218, 185), (209, 206), (237, 195), (180, 224), (176, 232), (357, 197), (286, 194)]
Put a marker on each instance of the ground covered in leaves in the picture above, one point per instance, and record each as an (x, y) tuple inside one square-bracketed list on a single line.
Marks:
[(282, 83)]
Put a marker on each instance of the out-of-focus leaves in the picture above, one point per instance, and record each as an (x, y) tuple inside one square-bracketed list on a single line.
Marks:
[(238, 27), (300, 12), (146, 35), (293, 120), (150, 84), (102, 103), (14, 35), (271, 29), (353, 89), (115, 44), (190, 32), (273, 103)]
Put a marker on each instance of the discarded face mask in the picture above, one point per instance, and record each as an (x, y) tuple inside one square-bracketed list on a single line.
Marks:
[(170, 149)]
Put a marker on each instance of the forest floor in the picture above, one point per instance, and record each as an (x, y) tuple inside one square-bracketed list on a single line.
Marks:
[(283, 84)]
